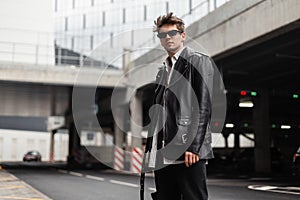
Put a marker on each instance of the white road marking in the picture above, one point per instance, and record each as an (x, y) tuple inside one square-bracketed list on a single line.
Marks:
[(94, 178), (261, 187), (293, 188), (75, 173), (102, 179), (152, 189), (284, 190), (123, 183)]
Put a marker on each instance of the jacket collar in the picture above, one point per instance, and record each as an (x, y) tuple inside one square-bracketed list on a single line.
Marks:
[(181, 66)]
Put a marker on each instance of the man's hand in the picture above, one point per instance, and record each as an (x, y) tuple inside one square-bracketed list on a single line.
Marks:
[(190, 158)]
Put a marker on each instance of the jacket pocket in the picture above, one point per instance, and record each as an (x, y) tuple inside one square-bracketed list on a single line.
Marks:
[(182, 132), (174, 150)]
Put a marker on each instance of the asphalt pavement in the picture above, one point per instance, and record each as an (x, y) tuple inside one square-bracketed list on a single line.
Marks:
[(28, 181)]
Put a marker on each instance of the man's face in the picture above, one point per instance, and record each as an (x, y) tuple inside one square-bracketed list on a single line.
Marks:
[(171, 43)]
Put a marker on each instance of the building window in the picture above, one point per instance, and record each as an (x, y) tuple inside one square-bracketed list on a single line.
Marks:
[(103, 18), (55, 6), (167, 7), (124, 16), (111, 40), (84, 21), (145, 13), (111, 1), (72, 43), (132, 37), (73, 4), (92, 2), (92, 42), (66, 23)]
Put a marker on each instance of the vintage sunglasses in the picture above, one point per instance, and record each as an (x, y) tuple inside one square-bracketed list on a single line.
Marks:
[(170, 33)]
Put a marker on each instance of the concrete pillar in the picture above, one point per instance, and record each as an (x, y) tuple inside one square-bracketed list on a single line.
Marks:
[(74, 145), (261, 119), (70, 125), (119, 127), (52, 145), (52, 113), (237, 131), (136, 126), (237, 140), (126, 60)]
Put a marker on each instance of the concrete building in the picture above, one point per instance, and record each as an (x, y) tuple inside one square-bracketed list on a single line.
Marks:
[(27, 40), (26, 32), (102, 29)]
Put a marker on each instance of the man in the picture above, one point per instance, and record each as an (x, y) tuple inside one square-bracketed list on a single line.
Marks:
[(179, 139)]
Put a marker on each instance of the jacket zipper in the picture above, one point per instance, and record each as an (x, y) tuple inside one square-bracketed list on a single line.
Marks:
[(164, 120), (164, 110)]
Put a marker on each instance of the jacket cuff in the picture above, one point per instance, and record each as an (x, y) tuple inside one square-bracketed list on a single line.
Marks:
[(194, 149)]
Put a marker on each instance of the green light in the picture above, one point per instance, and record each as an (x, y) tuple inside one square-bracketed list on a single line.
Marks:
[(273, 126), (253, 93), (295, 96), (246, 125)]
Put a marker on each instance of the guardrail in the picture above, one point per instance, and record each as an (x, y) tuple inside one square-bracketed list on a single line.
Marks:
[(27, 53), (49, 55)]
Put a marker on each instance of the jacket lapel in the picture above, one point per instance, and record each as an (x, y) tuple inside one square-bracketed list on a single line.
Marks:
[(181, 66), (161, 80)]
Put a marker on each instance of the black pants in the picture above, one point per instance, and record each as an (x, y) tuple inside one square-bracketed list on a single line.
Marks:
[(177, 182)]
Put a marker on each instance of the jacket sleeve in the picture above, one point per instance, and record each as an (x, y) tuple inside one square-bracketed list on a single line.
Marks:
[(202, 83), (153, 113)]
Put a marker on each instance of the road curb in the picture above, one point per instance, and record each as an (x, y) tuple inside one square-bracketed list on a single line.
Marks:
[(14, 188)]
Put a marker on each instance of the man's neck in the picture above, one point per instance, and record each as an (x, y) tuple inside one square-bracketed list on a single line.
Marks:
[(171, 54)]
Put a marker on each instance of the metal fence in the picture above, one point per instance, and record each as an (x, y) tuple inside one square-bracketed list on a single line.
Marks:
[(46, 55)]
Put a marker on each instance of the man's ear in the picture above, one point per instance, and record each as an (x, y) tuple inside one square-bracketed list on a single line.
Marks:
[(183, 36)]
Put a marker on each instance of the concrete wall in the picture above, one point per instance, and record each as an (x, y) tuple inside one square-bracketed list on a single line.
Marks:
[(63, 75), (27, 31), (239, 22), (31, 100), (230, 26), (15, 143)]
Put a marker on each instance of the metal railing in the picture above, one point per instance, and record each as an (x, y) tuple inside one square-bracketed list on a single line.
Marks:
[(46, 55), (13, 52)]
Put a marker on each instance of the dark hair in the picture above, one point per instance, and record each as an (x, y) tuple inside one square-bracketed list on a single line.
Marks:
[(169, 18)]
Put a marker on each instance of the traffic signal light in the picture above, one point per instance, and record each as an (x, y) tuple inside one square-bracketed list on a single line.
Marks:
[(243, 93), (247, 93), (253, 93)]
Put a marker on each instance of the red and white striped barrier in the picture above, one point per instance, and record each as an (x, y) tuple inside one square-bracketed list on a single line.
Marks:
[(119, 159), (136, 160)]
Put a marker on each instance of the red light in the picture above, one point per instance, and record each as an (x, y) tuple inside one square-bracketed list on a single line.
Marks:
[(243, 93), (216, 123), (298, 126)]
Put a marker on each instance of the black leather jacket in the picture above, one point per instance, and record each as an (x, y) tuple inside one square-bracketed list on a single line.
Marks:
[(188, 106)]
